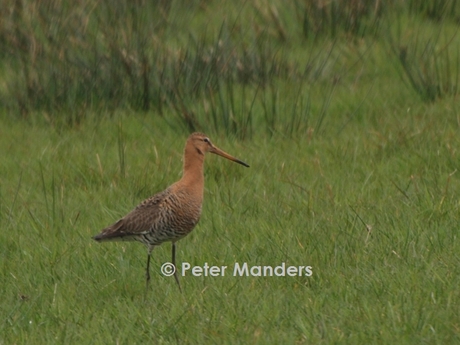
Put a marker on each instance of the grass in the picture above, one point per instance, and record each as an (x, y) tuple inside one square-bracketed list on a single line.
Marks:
[(167, 58), (373, 210), (353, 148)]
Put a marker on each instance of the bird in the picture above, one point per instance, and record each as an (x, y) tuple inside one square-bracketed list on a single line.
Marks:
[(172, 214)]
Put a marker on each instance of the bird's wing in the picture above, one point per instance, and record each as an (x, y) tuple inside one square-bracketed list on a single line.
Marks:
[(137, 222)]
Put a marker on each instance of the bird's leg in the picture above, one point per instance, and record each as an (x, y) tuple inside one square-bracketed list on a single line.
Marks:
[(147, 271), (174, 264)]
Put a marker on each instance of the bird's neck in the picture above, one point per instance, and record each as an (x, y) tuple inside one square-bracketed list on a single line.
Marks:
[(193, 168)]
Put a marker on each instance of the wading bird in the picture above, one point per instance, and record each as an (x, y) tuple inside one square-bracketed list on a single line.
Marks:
[(172, 214)]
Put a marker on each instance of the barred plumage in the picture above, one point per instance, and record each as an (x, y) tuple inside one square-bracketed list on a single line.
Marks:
[(172, 214)]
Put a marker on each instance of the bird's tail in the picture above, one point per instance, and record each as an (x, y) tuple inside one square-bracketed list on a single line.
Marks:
[(114, 233)]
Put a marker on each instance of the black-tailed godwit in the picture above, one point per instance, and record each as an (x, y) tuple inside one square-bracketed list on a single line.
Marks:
[(172, 214)]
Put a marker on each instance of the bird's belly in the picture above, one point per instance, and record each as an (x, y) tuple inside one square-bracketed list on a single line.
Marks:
[(177, 221)]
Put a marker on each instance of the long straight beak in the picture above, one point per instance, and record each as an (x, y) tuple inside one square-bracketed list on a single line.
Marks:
[(221, 153)]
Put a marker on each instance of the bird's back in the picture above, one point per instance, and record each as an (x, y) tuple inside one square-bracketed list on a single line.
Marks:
[(166, 216)]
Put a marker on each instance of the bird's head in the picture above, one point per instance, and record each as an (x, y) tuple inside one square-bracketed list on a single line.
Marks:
[(202, 144)]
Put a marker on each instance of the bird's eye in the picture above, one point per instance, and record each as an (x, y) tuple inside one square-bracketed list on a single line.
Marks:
[(206, 140)]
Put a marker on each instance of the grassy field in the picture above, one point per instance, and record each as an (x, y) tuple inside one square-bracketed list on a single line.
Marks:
[(353, 171)]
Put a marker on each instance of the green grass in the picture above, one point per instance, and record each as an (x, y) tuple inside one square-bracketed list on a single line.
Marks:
[(173, 58), (374, 211), (351, 130)]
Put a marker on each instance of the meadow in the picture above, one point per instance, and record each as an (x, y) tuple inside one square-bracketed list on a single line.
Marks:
[(348, 117)]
